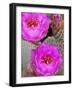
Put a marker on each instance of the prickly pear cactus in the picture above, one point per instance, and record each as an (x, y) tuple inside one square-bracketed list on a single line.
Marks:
[(60, 40)]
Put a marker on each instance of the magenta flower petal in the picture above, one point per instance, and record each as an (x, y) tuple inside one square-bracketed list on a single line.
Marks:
[(46, 60), (34, 26), (57, 17)]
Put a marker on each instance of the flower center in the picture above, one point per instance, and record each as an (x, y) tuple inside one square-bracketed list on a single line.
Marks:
[(32, 22), (47, 59)]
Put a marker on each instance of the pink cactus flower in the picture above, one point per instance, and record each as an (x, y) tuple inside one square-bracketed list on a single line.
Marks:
[(46, 60), (34, 26)]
